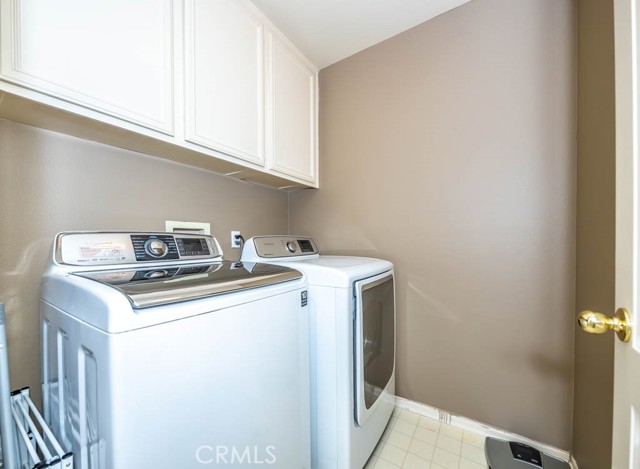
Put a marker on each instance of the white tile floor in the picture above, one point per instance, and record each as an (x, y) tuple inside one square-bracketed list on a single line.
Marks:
[(413, 441)]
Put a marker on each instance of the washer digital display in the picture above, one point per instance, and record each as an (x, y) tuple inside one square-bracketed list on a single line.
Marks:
[(193, 247)]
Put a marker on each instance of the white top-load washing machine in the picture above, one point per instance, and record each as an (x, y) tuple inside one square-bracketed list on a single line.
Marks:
[(158, 354), (352, 308)]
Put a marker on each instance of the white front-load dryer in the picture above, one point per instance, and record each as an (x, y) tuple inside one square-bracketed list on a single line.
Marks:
[(352, 337)]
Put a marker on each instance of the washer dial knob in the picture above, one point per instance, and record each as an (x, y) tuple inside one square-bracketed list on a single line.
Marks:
[(291, 246), (156, 247)]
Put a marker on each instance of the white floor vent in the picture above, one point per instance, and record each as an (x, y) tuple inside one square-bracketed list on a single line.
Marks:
[(444, 417)]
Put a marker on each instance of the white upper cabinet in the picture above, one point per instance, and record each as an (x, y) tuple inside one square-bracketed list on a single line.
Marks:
[(114, 56), (291, 111), (224, 78), (209, 83)]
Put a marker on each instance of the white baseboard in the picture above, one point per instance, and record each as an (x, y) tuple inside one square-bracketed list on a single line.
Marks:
[(482, 429)]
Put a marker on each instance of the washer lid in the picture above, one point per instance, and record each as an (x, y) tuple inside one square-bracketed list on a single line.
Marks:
[(162, 285)]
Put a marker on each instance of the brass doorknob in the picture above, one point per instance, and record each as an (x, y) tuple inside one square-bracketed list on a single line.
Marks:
[(598, 323)]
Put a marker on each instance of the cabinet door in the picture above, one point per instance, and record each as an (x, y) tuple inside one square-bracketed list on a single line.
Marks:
[(291, 141), (224, 78), (113, 56)]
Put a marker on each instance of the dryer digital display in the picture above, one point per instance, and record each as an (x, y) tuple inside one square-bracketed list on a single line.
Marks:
[(305, 245)]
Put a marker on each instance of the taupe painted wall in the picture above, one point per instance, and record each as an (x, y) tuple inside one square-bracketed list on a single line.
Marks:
[(450, 150), (595, 248), (51, 182), (447, 149)]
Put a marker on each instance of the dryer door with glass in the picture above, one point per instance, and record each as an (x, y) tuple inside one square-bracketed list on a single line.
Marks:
[(374, 344)]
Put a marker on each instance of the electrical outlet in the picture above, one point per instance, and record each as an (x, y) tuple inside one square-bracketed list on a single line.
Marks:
[(235, 239)]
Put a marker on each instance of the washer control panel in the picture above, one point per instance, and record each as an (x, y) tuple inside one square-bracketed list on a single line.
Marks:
[(109, 248), (284, 246), (154, 247)]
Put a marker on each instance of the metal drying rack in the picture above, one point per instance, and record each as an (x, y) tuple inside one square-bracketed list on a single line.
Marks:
[(26, 444)]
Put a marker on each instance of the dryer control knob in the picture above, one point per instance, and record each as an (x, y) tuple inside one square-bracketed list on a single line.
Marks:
[(291, 246), (156, 247)]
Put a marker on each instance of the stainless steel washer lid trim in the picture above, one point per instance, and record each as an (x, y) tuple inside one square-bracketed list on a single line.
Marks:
[(168, 284)]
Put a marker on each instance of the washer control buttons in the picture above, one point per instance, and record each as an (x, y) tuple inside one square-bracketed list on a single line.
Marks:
[(291, 246), (156, 247)]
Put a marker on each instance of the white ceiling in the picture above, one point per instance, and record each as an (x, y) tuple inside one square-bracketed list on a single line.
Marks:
[(328, 31)]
